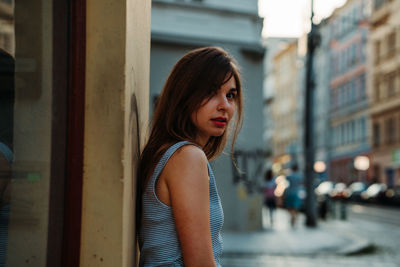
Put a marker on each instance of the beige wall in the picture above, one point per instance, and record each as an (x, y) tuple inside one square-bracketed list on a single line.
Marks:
[(117, 82), (285, 105)]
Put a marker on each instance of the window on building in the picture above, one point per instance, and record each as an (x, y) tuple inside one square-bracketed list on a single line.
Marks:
[(379, 3), (342, 134), (33, 128), (348, 131), (391, 44), (377, 88), (390, 128), (377, 51), (390, 83), (376, 133), (354, 57), (364, 132), (342, 61), (398, 129), (363, 88)]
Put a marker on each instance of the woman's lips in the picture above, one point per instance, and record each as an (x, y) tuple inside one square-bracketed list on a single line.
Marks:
[(219, 121)]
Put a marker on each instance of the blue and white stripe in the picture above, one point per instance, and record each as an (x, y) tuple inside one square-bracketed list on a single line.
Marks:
[(158, 239)]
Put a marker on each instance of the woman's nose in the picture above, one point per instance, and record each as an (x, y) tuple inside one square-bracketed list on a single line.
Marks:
[(223, 103)]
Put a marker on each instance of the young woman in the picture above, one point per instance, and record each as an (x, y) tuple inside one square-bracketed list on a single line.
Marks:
[(180, 214)]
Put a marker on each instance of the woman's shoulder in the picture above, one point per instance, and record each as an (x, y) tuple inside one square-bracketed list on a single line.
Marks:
[(187, 160), (188, 153)]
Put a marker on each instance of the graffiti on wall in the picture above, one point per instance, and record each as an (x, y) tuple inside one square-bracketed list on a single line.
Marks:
[(249, 168)]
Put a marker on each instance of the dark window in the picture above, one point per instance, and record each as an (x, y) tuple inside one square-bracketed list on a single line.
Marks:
[(376, 132), (379, 3), (390, 131), (390, 80), (391, 44), (376, 88), (377, 52)]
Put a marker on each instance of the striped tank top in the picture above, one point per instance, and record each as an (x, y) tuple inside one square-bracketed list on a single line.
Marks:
[(158, 238)]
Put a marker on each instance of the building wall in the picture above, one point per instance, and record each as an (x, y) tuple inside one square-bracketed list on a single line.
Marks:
[(384, 44), (273, 46), (7, 41), (178, 27), (286, 106), (349, 106), (116, 118), (205, 21)]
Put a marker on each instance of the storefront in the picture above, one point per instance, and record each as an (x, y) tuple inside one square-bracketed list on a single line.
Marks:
[(387, 166)]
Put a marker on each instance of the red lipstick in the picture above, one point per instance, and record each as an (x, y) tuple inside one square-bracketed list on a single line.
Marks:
[(219, 121)]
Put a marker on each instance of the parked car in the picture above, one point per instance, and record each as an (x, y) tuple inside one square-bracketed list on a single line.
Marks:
[(339, 191), (323, 192), (374, 193), (355, 190), (324, 188), (392, 196)]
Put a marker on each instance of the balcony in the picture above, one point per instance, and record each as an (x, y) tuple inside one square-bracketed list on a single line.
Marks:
[(381, 14)]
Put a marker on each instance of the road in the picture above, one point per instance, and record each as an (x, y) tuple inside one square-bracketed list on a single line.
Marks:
[(377, 214), (380, 225)]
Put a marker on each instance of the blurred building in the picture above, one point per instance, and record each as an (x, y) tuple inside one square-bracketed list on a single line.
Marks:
[(181, 25), (385, 81), (349, 107), (7, 41), (287, 107), (321, 72), (273, 45)]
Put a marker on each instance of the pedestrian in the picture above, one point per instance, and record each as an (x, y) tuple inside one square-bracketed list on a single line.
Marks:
[(179, 213), (269, 187), (292, 200)]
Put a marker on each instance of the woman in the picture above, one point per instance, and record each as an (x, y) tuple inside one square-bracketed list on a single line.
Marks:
[(269, 187), (292, 193), (180, 211)]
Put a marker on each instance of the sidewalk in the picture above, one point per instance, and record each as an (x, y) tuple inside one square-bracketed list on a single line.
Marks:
[(330, 237)]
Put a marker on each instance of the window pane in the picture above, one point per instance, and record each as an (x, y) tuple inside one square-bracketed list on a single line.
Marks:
[(26, 130)]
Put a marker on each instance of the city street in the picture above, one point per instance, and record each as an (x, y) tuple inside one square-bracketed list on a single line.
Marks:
[(379, 225)]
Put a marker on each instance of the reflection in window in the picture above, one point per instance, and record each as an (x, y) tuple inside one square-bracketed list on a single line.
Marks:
[(7, 68), (25, 130)]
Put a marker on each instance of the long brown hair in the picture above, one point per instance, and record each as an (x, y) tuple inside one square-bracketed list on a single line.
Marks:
[(194, 78)]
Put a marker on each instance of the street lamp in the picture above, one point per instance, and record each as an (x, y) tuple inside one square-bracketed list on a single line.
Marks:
[(319, 166), (361, 163)]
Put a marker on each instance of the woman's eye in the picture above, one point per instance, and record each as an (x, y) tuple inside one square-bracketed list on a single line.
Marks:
[(231, 95)]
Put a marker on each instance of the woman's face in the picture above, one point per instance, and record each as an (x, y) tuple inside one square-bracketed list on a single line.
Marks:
[(214, 114)]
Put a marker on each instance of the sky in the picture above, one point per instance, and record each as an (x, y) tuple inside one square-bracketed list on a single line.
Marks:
[(290, 18)]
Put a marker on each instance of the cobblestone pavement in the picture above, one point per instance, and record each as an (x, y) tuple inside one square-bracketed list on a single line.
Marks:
[(384, 252)]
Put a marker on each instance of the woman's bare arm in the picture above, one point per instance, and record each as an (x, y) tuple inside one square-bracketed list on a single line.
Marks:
[(186, 177)]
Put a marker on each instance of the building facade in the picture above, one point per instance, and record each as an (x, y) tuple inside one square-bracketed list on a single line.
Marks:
[(287, 106), (385, 95), (349, 105), (273, 46), (179, 26)]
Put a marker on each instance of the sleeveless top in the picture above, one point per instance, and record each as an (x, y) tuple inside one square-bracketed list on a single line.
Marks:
[(158, 239)]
